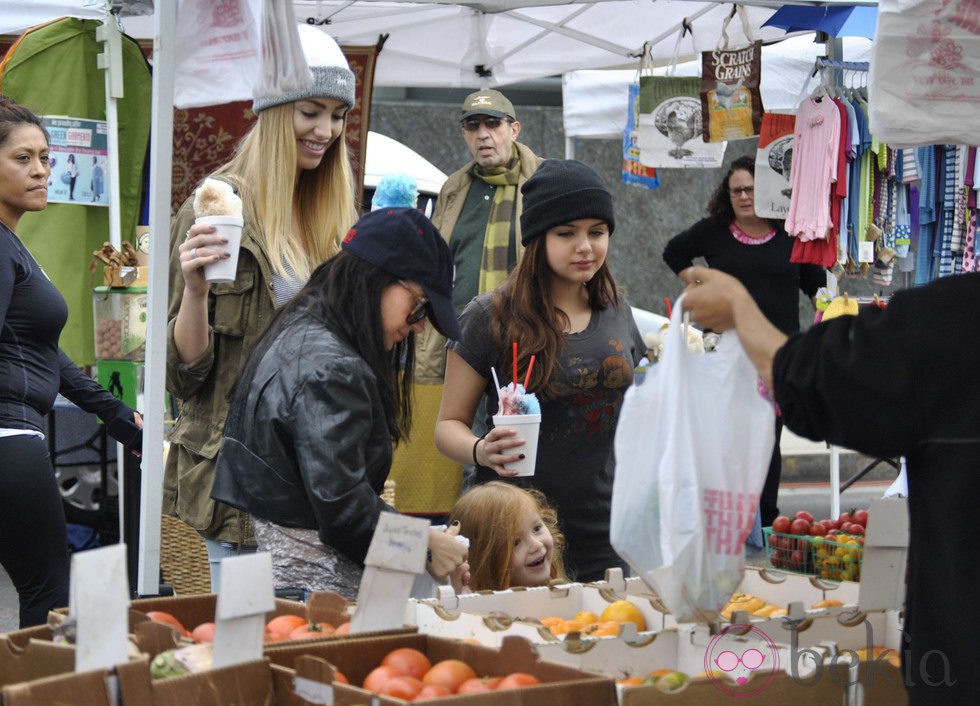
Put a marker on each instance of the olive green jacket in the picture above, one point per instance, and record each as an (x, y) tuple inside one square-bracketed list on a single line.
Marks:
[(430, 347), (238, 313)]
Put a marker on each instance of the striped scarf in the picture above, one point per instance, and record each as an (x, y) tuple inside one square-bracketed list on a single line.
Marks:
[(496, 242)]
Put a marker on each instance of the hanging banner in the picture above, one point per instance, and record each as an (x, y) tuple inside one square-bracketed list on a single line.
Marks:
[(773, 165), (634, 172), (77, 157), (731, 103), (670, 129)]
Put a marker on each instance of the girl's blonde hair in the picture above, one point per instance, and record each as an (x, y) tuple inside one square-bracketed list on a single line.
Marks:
[(300, 220), (490, 516)]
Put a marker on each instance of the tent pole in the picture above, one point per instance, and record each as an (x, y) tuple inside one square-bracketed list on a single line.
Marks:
[(835, 52), (110, 61), (161, 164)]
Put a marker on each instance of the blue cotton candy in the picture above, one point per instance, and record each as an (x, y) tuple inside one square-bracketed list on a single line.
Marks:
[(395, 190)]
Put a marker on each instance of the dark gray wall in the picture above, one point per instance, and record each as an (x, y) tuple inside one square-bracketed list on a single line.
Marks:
[(645, 219)]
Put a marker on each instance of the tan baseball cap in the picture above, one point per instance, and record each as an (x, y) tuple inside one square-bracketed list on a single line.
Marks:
[(488, 102)]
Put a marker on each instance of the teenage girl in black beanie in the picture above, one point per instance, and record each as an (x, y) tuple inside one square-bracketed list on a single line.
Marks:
[(561, 305)]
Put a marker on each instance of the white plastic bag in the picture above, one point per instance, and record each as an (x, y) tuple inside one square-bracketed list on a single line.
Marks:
[(922, 85), (693, 445)]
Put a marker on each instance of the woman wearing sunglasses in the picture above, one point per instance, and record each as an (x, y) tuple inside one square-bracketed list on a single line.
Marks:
[(755, 251), (323, 398)]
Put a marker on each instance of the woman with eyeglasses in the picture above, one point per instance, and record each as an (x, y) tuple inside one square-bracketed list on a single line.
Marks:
[(756, 251), (325, 395)]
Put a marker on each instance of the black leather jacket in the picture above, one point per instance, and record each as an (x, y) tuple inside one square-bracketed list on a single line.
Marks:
[(306, 443)]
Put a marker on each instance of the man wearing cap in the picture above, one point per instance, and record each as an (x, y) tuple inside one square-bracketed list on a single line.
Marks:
[(478, 212)]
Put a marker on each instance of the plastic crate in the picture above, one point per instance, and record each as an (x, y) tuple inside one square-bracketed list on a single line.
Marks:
[(837, 560), (789, 552)]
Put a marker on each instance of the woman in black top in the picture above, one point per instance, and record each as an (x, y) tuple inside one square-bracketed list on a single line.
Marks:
[(33, 370), (755, 251)]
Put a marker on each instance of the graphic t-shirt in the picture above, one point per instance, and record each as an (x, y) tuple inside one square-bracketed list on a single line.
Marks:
[(575, 464)]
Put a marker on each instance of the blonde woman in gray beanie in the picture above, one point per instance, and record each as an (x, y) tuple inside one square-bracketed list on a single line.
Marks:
[(293, 176), (561, 305)]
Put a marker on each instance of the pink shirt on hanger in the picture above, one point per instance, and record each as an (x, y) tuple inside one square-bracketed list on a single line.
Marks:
[(815, 151)]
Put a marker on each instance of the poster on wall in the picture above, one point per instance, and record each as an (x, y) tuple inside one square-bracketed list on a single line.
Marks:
[(78, 159)]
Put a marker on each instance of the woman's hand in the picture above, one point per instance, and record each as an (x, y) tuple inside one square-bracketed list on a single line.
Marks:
[(447, 556), (201, 247), (494, 451)]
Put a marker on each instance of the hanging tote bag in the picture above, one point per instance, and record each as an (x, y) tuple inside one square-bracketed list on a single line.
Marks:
[(731, 103), (774, 165), (634, 171), (922, 84), (692, 447), (669, 134)]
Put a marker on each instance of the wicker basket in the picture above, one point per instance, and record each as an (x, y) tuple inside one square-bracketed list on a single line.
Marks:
[(183, 557)]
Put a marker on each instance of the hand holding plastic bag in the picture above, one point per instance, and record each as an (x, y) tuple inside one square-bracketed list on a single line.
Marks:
[(692, 445)]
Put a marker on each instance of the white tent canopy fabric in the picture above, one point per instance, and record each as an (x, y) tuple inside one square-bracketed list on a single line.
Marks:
[(594, 101)]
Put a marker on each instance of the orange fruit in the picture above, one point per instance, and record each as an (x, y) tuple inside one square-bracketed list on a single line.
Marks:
[(517, 680), (586, 616), (203, 633), (607, 628), (450, 673), (285, 624), (378, 677), (408, 661), (623, 611)]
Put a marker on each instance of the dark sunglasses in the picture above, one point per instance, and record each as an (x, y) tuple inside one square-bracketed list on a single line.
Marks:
[(473, 124), (420, 310)]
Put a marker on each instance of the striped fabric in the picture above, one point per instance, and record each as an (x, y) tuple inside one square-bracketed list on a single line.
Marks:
[(493, 268)]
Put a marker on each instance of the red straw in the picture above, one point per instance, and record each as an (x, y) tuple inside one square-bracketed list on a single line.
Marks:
[(530, 367), (667, 302), (515, 365)]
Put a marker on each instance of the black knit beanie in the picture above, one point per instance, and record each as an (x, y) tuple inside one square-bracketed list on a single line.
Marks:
[(561, 191)]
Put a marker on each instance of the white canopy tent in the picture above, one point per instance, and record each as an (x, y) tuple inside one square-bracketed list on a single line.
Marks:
[(440, 43)]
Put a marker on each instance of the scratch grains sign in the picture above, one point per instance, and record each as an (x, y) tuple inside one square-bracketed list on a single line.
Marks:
[(731, 104)]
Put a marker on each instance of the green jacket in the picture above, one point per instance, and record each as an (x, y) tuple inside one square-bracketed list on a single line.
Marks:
[(238, 313), (430, 347)]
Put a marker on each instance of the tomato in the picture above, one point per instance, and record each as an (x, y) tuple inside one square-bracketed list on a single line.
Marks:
[(631, 681), (159, 616), (310, 630), (797, 559), (408, 661), (860, 517), (377, 677), (339, 677), (343, 629), (804, 515), (843, 518), (450, 673), (785, 542), (285, 624), (856, 529), (433, 691), (816, 530), (476, 685), (517, 680), (800, 526), (203, 633), (403, 687), (781, 524)]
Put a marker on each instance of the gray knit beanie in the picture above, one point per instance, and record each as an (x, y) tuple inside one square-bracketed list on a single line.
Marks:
[(561, 191), (332, 77)]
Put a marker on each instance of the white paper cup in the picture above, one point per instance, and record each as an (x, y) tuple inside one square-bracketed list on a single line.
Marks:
[(527, 427), (229, 227)]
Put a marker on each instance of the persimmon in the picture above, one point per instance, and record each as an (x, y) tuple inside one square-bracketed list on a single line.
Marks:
[(450, 673), (517, 680), (433, 691), (343, 629), (605, 628), (339, 677), (631, 681), (476, 685), (285, 624), (311, 630), (203, 633), (623, 611), (402, 687), (408, 661), (159, 616), (377, 677), (586, 616)]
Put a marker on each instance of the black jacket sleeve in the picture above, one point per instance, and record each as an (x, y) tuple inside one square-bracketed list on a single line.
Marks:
[(681, 250), (87, 394)]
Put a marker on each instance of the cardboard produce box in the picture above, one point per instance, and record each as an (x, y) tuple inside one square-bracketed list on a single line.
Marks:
[(29, 659), (490, 616), (561, 685)]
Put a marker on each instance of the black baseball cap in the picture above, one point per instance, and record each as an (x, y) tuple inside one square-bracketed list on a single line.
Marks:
[(404, 243)]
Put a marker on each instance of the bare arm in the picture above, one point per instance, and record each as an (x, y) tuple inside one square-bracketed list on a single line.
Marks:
[(720, 302), (199, 248), (454, 437)]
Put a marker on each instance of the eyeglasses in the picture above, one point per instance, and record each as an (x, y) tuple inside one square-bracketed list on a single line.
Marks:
[(473, 124), (421, 308), (750, 659), (739, 190)]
